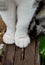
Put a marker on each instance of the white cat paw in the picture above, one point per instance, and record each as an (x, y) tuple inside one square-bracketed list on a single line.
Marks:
[(8, 37), (22, 42)]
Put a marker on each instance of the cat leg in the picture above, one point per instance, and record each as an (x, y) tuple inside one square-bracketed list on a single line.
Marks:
[(9, 19), (25, 13)]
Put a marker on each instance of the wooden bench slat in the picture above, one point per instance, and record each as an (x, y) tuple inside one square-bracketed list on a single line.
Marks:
[(8, 60), (29, 55), (37, 57), (12, 55), (0, 63)]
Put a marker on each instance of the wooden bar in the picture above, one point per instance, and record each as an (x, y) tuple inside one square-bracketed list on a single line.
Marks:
[(37, 56), (12, 55), (9, 55), (29, 55)]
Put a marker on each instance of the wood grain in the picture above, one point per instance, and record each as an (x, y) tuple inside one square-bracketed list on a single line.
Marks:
[(9, 55), (12, 55), (29, 55)]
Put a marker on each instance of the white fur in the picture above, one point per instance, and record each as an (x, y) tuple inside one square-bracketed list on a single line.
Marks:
[(3, 4), (9, 19), (18, 2), (8, 37), (25, 13), (21, 39)]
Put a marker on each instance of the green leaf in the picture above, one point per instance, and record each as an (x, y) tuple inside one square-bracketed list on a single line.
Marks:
[(41, 40)]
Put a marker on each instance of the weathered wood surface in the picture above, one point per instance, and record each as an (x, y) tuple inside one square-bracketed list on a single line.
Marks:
[(12, 55), (37, 57), (29, 56), (8, 58)]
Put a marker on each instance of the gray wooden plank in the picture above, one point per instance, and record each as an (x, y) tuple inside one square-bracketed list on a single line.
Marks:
[(37, 56), (9, 55), (29, 55), (13, 57)]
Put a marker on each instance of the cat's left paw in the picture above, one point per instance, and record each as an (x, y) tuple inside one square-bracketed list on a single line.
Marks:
[(21, 41)]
